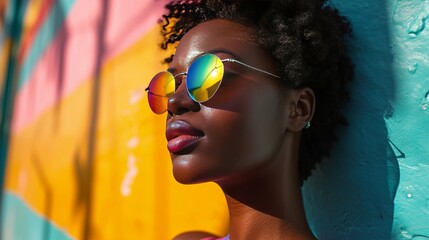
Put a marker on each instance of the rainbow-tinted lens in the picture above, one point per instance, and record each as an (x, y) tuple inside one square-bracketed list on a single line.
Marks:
[(202, 81), (204, 77), (160, 89)]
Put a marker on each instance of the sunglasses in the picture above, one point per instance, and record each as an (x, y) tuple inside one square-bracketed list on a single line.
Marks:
[(203, 79)]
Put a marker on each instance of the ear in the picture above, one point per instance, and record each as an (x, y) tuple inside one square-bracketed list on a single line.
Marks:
[(302, 109)]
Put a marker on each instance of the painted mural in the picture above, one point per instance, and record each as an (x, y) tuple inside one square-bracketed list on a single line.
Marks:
[(83, 157), (86, 158)]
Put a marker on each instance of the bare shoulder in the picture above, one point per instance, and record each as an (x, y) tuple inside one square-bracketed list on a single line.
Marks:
[(193, 236)]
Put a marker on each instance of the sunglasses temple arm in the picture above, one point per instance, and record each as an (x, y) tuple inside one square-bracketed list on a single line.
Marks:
[(257, 69)]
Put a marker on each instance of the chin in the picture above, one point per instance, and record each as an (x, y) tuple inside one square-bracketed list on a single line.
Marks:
[(186, 171), (185, 177)]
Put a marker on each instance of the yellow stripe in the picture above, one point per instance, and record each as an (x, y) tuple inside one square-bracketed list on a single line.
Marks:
[(33, 11)]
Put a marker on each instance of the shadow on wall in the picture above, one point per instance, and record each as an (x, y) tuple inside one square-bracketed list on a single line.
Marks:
[(83, 166), (351, 194)]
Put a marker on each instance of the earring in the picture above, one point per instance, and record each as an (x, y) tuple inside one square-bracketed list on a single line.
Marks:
[(307, 125)]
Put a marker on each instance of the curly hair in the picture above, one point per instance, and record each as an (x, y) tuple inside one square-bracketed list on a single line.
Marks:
[(306, 37)]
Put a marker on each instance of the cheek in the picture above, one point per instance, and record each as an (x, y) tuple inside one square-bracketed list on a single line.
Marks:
[(243, 130), (250, 133), (263, 123)]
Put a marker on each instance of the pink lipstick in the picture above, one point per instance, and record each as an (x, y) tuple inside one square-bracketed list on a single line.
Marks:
[(181, 135)]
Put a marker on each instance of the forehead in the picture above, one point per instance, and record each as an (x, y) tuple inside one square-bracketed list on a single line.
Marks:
[(220, 34)]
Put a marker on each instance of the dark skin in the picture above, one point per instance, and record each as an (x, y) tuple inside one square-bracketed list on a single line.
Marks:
[(251, 134)]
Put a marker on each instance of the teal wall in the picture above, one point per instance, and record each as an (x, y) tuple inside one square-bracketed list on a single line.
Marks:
[(375, 185), (35, 226)]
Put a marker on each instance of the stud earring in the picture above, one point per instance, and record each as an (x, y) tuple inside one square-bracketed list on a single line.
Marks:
[(307, 125)]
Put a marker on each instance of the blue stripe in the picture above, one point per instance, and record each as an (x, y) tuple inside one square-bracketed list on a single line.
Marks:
[(44, 37), (19, 221)]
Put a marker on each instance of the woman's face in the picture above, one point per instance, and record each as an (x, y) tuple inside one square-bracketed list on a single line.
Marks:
[(242, 126)]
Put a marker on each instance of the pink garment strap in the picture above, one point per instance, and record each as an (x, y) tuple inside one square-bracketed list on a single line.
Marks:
[(215, 238)]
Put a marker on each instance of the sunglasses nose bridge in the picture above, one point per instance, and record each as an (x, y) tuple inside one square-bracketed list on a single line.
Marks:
[(180, 101), (179, 78)]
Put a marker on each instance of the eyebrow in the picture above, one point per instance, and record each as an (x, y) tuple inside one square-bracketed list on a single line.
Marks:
[(212, 51), (224, 50)]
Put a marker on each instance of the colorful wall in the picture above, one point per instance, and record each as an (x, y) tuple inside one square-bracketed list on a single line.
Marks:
[(82, 157), (86, 159)]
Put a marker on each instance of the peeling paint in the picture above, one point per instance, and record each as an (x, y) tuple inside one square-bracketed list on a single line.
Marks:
[(413, 68), (127, 182), (417, 26), (425, 101)]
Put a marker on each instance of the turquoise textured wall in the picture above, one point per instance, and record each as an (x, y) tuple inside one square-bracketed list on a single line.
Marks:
[(408, 126), (375, 184)]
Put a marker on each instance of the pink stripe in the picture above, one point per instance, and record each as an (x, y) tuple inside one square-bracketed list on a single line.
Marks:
[(128, 21)]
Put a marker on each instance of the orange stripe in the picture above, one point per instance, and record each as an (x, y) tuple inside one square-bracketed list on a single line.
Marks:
[(33, 24)]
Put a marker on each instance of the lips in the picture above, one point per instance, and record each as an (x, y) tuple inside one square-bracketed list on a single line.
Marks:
[(181, 136)]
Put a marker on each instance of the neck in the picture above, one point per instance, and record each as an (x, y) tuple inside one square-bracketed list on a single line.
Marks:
[(267, 202)]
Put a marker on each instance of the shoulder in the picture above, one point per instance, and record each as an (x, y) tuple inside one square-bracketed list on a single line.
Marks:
[(195, 236)]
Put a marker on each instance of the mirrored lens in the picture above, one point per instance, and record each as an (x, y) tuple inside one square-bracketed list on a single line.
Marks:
[(204, 77), (161, 88)]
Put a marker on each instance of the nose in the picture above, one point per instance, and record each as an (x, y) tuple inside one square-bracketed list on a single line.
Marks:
[(180, 102)]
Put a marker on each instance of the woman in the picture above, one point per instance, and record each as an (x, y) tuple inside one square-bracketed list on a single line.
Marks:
[(240, 95)]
